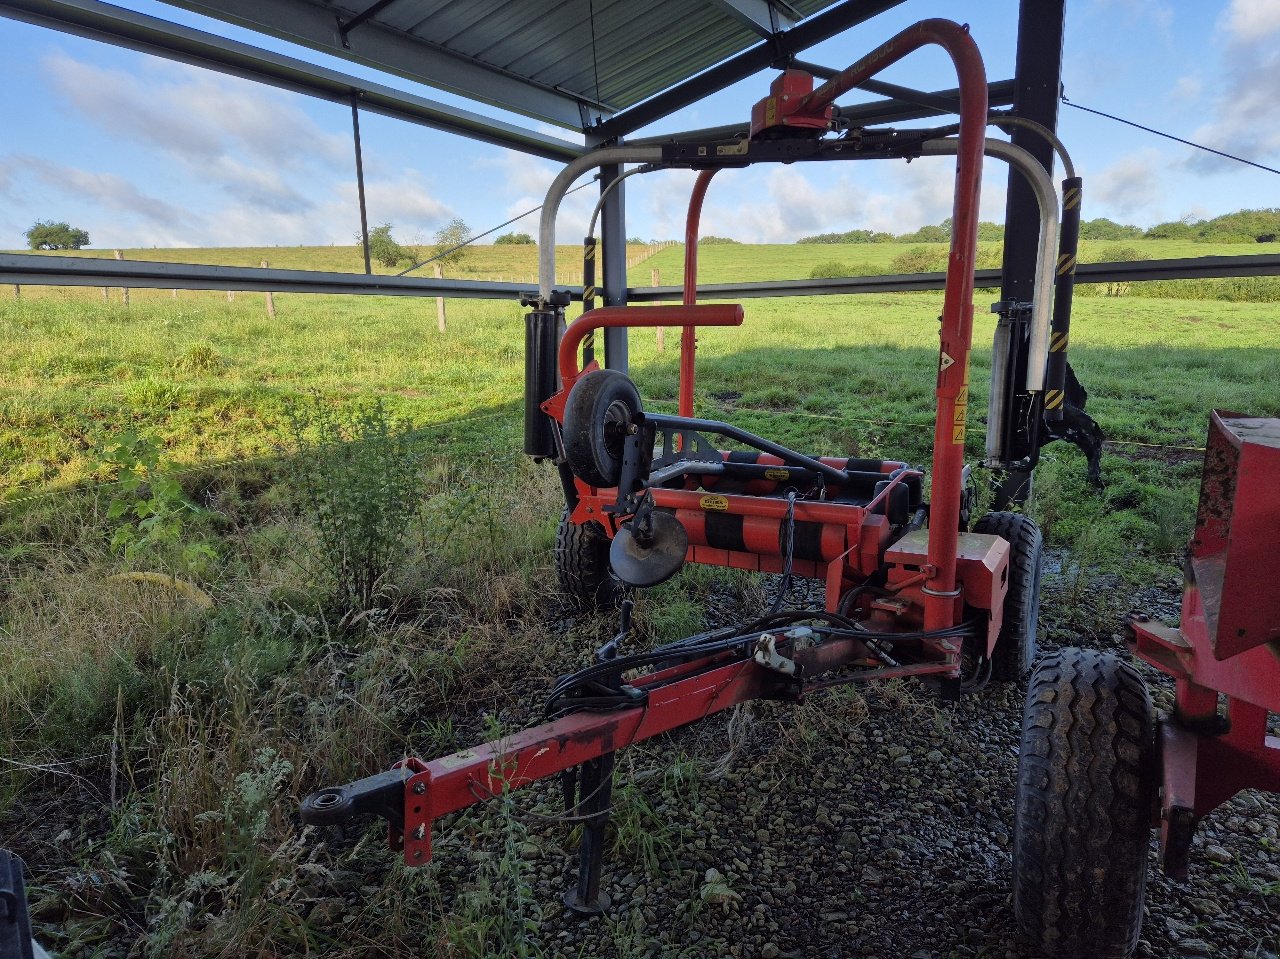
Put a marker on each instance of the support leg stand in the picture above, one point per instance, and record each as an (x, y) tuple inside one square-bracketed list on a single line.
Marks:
[(595, 793)]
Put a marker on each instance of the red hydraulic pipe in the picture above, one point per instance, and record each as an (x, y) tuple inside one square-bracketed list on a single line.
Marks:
[(689, 336), (957, 306), (615, 316)]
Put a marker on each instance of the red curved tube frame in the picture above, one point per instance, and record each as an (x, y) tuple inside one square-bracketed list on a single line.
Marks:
[(957, 310), (729, 314), (689, 338)]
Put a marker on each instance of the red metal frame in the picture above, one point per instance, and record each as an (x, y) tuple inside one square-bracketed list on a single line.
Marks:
[(854, 539), (1228, 642)]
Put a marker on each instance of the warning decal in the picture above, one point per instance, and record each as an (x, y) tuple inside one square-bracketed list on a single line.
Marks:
[(717, 503), (961, 410)]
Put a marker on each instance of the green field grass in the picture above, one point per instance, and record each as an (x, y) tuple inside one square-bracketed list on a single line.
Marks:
[(192, 733)]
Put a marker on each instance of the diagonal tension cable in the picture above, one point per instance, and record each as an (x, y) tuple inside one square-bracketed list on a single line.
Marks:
[(480, 236), (1170, 136)]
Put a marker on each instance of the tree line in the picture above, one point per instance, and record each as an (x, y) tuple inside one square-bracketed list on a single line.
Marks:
[(1243, 226)]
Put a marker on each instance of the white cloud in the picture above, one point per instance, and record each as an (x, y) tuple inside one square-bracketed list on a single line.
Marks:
[(1246, 111), (1130, 186), (1253, 19)]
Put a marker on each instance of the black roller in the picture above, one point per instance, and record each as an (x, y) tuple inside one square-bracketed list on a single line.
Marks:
[(651, 558)]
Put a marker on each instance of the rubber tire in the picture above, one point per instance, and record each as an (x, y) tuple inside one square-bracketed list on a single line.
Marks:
[(1086, 785), (1015, 649), (582, 565), (598, 404)]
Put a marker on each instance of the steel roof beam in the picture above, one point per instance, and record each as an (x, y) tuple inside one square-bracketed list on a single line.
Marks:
[(875, 113), (375, 45), (29, 269), (772, 52), (111, 24), (763, 16)]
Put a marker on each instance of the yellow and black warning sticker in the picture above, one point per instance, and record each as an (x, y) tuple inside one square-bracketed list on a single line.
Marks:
[(717, 503), (1057, 342), (1071, 199), (1066, 264), (780, 475), (1052, 399), (962, 409)]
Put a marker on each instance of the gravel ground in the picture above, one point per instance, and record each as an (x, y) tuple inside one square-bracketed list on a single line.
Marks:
[(870, 824)]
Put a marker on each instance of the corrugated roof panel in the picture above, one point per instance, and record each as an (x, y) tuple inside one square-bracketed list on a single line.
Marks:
[(640, 47)]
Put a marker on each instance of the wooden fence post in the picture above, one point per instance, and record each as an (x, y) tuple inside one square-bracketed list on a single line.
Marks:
[(124, 290), (17, 292), (271, 297), (439, 300)]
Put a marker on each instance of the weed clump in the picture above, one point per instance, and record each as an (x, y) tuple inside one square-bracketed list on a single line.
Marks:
[(359, 471)]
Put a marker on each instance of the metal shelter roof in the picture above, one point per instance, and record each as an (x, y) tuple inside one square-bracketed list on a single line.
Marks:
[(568, 62)]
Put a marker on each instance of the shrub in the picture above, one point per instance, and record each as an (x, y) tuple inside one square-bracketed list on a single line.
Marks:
[(383, 248), (359, 471), (829, 270), (919, 259), (513, 239), (713, 240)]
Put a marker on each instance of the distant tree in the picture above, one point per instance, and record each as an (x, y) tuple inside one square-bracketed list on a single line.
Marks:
[(383, 248), (1173, 230), (635, 241), (47, 235), (713, 240), (513, 239), (989, 232), (1104, 229), (928, 234), (449, 249)]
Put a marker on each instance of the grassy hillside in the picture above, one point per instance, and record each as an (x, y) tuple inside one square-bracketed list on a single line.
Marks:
[(157, 749)]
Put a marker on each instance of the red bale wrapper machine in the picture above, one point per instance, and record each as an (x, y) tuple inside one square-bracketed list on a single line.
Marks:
[(912, 588)]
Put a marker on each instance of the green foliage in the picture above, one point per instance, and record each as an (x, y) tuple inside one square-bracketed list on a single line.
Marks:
[(1104, 229), (829, 270), (152, 504), (852, 236), (450, 248), (920, 259), (929, 234), (1242, 226), (360, 472), (383, 248), (989, 232), (714, 240), (47, 235), (514, 239), (1173, 230)]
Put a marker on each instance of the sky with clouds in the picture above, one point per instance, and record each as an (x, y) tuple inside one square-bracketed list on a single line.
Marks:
[(144, 152)]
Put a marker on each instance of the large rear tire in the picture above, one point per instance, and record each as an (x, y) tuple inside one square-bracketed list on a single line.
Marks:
[(1015, 648), (1083, 813), (582, 565)]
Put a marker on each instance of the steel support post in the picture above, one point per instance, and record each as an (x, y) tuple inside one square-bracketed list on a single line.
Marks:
[(1037, 85), (364, 216), (613, 248)]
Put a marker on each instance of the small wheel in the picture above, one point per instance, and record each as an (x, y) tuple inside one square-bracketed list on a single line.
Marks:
[(602, 406), (1083, 815), (1016, 646), (582, 565)]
